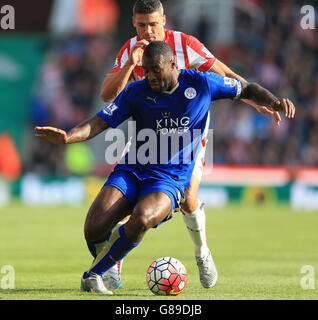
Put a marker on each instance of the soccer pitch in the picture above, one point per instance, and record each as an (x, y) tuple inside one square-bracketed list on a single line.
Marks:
[(259, 253)]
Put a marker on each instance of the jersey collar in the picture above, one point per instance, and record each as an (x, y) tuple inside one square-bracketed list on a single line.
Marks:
[(176, 86), (172, 90)]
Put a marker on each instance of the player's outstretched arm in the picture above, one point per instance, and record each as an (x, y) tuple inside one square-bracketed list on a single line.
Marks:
[(84, 131), (222, 69), (261, 96)]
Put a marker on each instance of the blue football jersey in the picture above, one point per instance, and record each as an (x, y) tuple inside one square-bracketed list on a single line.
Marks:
[(172, 122)]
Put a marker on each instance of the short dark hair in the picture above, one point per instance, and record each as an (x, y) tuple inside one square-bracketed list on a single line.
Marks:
[(156, 48), (147, 6)]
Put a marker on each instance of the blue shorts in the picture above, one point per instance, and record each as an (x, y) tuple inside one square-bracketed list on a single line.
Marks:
[(133, 187)]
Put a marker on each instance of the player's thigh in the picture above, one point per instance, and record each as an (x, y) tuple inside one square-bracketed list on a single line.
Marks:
[(109, 207), (192, 191), (193, 188), (190, 202)]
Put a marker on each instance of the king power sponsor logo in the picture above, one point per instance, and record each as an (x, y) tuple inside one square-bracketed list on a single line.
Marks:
[(171, 142)]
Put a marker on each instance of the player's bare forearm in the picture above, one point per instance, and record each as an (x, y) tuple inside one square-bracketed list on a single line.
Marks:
[(222, 69), (87, 130), (261, 96), (115, 83), (84, 131)]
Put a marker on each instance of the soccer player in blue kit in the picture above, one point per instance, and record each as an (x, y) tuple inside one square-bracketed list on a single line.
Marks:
[(151, 191)]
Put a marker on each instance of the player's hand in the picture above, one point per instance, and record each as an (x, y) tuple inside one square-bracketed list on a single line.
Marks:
[(286, 106), (54, 135), (270, 112), (137, 51)]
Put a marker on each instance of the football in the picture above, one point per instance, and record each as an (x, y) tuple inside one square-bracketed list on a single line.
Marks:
[(166, 276)]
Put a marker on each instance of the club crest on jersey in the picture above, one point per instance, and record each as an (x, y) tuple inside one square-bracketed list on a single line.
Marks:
[(109, 110), (190, 93)]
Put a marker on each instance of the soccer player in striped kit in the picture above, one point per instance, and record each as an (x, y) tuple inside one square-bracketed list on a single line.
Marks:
[(149, 21)]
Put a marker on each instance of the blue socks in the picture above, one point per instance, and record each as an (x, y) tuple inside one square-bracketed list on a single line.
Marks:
[(116, 248)]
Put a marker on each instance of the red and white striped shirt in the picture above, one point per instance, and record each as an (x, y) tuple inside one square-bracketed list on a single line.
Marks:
[(189, 53)]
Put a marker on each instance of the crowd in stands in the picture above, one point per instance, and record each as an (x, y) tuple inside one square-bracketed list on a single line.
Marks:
[(283, 57), (276, 52), (66, 92)]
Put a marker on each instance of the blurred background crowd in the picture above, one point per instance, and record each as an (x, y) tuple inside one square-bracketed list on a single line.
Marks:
[(266, 45), (277, 53)]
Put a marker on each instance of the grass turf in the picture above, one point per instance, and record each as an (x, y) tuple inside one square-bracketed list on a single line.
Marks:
[(259, 253)]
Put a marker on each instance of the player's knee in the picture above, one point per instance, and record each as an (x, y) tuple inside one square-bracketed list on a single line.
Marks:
[(137, 226), (142, 223), (190, 204)]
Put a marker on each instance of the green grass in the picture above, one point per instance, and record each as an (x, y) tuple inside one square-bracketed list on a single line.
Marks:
[(259, 252)]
